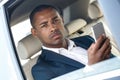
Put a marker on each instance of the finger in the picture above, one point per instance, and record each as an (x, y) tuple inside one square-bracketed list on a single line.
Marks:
[(103, 51), (107, 52), (105, 45), (91, 48), (99, 41), (107, 57)]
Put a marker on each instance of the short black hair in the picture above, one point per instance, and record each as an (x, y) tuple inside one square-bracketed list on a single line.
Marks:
[(42, 7)]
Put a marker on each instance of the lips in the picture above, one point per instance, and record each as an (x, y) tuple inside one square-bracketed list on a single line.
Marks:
[(55, 34)]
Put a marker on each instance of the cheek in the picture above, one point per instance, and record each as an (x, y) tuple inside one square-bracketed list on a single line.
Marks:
[(43, 36), (64, 31)]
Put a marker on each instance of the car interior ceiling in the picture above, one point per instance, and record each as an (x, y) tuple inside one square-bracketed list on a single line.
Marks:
[(19, 10)]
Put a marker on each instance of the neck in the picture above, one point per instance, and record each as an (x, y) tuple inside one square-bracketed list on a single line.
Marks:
[(64, 44)]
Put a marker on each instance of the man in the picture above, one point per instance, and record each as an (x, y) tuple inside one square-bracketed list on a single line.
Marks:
[(59, 54)]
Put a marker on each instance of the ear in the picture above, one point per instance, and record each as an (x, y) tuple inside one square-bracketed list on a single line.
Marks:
[(34, 32), (62, 20)]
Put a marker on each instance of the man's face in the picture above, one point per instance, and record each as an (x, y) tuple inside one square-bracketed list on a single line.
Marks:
[(49, 27)]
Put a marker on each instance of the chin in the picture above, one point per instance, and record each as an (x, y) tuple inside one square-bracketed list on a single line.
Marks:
[(58, 42)]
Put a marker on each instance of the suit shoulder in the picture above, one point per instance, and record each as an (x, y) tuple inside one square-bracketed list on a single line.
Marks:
[(86, 38), (41, 71), (83, 41)]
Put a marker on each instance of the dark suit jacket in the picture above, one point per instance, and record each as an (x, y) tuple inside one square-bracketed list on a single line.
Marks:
[(51, 65)]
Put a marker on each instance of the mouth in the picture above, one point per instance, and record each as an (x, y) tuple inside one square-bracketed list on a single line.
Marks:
[(55, 35)]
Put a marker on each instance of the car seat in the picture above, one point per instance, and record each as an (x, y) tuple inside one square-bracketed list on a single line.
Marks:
[(27, 49), (74, 26)]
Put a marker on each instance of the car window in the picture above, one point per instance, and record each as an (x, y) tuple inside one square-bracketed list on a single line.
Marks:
[(10, 66), (19, 31), (23, 28)]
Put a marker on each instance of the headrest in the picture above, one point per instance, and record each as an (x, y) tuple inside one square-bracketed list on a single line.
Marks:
[(91, 1), (75, 25), (94, 11), (28, 46)]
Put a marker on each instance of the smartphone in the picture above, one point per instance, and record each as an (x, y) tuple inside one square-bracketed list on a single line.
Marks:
[(98, 30)]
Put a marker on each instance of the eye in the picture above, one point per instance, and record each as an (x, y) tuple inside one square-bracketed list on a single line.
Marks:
[(43, 25), (56, 21)]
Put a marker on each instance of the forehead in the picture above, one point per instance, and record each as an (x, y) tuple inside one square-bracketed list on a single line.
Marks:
[(46, 13)]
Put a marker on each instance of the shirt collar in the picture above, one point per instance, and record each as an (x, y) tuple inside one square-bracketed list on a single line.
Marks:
[(71, 44)]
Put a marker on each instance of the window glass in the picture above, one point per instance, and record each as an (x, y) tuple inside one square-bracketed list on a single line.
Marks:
[(19, 31)]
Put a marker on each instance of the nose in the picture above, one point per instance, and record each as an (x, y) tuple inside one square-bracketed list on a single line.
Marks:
[(52, 27)]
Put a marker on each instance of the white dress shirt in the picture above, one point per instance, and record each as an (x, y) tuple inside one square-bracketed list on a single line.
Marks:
[(76, 53)]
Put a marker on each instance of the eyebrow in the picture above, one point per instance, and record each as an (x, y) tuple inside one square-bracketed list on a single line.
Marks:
[(54, 17), (45, 22)]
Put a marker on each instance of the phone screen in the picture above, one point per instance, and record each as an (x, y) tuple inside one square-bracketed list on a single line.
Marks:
[(98, 30)]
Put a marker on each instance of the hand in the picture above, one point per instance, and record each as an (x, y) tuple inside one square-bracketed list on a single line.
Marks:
[(99, 50)]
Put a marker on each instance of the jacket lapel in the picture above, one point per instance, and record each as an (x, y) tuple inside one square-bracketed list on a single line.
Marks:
[(52, 56)]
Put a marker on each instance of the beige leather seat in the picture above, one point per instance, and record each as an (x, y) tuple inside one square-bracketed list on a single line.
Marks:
[(95, 14), (27, 49), (74, 26)]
